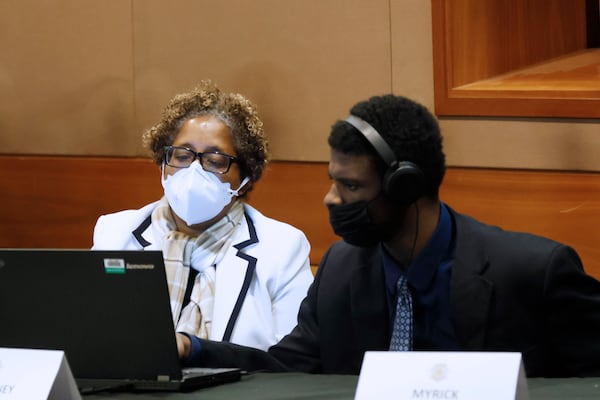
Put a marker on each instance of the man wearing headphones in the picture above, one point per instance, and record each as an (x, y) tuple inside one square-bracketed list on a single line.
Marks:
[(413, 274)]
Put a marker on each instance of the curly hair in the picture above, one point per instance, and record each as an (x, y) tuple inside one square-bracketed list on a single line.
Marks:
[(408, 128), (237, 112)]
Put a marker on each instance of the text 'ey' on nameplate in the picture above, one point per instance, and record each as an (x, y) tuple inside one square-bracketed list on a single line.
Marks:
[(27, 374), (442, 375)]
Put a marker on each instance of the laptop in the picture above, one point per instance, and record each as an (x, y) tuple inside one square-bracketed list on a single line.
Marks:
[(109, 311)]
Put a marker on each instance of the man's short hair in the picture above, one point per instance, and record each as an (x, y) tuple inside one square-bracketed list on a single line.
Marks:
[(408, 128)]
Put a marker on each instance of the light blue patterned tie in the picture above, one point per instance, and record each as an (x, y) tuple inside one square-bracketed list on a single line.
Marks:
[(402, 332)]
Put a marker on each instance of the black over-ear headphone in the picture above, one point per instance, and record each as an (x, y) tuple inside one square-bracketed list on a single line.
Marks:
[(403, 181)]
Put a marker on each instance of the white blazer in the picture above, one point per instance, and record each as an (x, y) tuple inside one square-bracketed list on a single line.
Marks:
[(260, 281)]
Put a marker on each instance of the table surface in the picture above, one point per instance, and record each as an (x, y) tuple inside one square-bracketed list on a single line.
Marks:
[(281, 386)]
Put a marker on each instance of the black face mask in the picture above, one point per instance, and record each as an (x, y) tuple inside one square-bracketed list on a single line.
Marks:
[(352, 222)]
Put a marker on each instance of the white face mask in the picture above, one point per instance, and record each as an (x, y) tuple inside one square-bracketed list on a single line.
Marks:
[(196, 195)]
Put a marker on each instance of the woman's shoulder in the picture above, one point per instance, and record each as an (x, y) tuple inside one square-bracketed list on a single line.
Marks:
[(126, 217), (114, 230), (277, 237), (261, 221)]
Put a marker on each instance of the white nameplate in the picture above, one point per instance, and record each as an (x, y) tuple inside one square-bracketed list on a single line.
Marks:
[(27, 374), (441, 375)]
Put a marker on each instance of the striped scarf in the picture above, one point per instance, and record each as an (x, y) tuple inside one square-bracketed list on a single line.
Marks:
[(203, 253)]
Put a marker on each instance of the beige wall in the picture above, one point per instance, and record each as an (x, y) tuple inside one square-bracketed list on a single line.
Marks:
[(87, 77)]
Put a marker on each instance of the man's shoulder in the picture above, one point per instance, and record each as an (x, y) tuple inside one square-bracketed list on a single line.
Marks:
[(347, 255), (277, 227), (494, 239)]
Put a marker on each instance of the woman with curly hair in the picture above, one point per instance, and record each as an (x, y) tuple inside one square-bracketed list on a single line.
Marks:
[(233, 274)]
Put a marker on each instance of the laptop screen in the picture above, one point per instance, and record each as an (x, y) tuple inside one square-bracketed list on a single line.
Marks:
[(107, 310)]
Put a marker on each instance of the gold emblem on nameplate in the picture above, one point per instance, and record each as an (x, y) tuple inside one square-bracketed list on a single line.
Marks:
[(439, 372)]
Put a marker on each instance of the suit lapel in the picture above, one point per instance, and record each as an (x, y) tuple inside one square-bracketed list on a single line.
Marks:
[(470, 291), (368, 303), (146, 235), (233, 280), (138, 233)]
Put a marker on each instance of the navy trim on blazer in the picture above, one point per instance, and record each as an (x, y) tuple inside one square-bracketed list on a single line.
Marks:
[(192, 273), (137, 233), (247, 279)]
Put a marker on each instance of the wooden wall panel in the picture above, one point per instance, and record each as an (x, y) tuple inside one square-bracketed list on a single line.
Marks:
[(66, 75), (55, 201), (85, 78), (50, 201), (491, 37), (528, 51), (304, 63), (559, 205)]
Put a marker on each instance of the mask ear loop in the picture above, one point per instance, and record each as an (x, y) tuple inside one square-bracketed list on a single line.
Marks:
[(162, 174), (236, 192)]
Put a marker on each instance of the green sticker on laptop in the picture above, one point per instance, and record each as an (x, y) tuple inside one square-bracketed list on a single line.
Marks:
[(114, 265)]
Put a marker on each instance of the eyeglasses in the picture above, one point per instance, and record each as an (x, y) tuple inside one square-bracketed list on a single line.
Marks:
[(211, 161)]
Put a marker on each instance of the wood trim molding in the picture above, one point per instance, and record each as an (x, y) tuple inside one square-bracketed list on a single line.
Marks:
[(53, 202), (499, 58)]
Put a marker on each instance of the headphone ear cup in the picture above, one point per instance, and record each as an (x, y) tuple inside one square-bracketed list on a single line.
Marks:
[(403, 182)]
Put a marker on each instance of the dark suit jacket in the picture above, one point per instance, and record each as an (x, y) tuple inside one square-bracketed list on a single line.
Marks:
[(508, 292)]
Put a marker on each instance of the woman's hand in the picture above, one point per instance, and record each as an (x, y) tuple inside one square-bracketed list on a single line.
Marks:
[(184, 345)]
